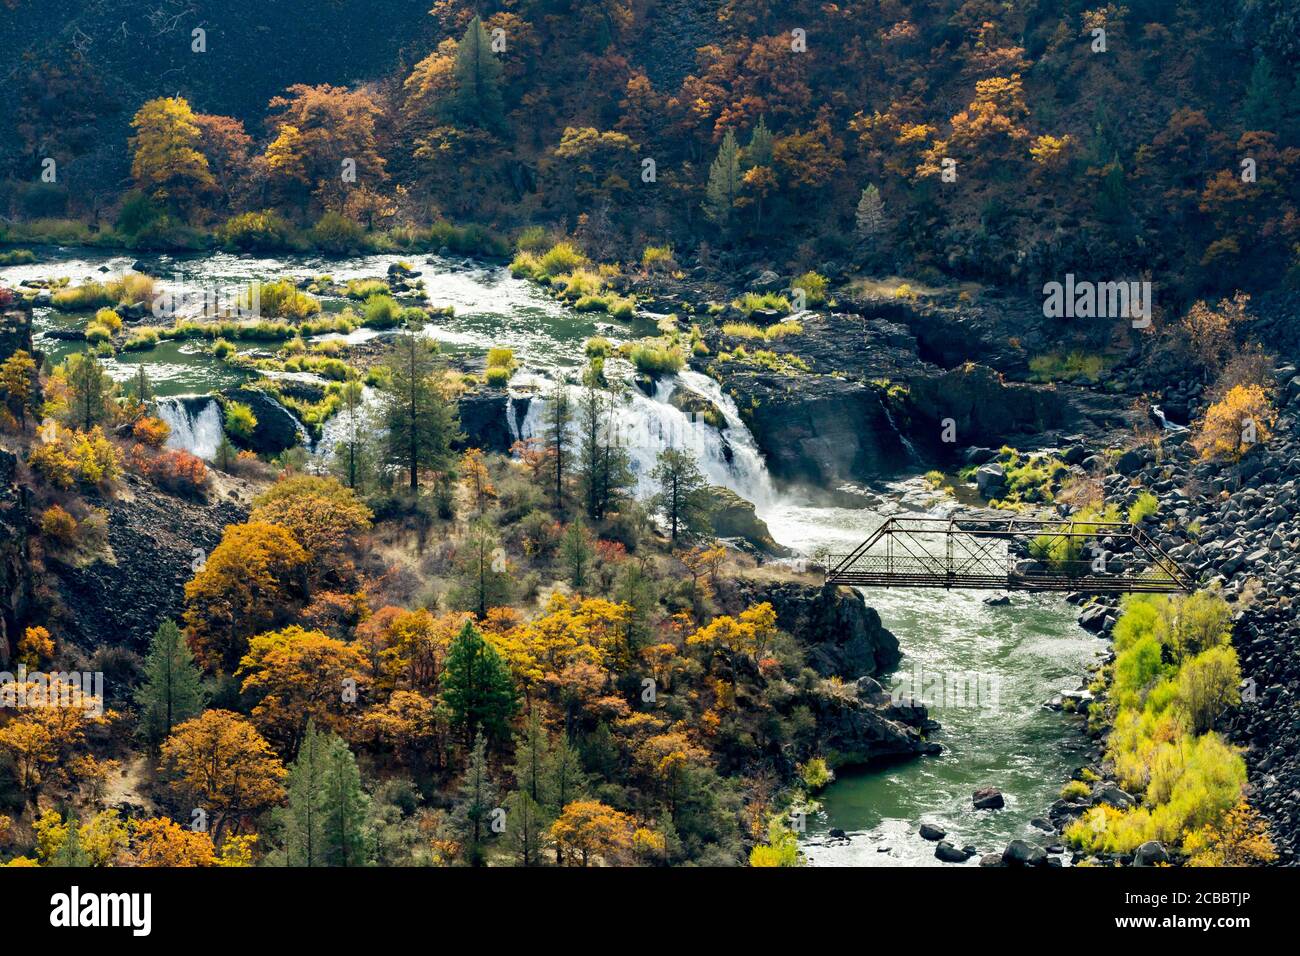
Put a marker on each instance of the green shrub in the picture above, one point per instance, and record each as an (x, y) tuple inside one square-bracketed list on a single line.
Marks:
[(141, 339), (751, 302), (525, 266), (1077, 366), (362, 289), (658, 259), (17, 257), (282, 299), (240, 420), (82, 298), (656, 357), (1144, 507), (96, 333), (335, 232), (501, 357), (256, 231), (1075, 791), (497, 376), (222, 349), (533, 239), (382, 312), (815, 774), (598, 347), (560, 258), (814, 288)]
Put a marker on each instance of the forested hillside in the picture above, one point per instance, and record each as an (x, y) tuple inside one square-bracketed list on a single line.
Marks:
[(1082, 136)]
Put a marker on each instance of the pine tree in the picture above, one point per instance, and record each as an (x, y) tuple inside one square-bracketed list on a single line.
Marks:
[(558, 440), (421, 422), (71, 853), (476, 100), (476, 686), (564, 781), (141, 387), (90, 388), (483, 579), (683, 500), (869, 219), (724, 183), (603, 468), (759, 150), (302, 822), (472, 816), (352, 454), (227, 454), (532, 744), (525, 827), (172, 690), (577, 553), (1262, 108), (344, 807)]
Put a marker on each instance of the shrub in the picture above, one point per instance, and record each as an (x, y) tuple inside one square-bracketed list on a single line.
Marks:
[(1077, 366), (501, 357), (656, 357), (532, 239), (525, 266), (560, 258), (815, 774), (109, 320), (1144, 507), (151, 431), (141, 339), (598, 347), (1075, 790), (497, 377), (751, 302), (382, 312), (177, 471), (282, 299), (658, 259), (17, 257), (335, 232), (255, 231), (814, 288), (621, 307), (742, 330), (82, 298), (1241, 838), (1243, 418), (362, 289), (240, 420), (76, 457), (96, 333), (58, 526), (223, 349)]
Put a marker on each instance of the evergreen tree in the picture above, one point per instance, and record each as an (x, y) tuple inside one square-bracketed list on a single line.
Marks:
[(683, 501), (1262, 108), (302, 822), (476, 100), (227, 454), (472, 816), (71, 854), (577, 552), (564, 781), (635, 587), (476, 686), (525, 827), (421, 422), (869, 220), (482, 575), (759, 150), (344, 807), (532, 744), (724, 183), (558, 441), (90, 389), (172, 690), (141, 387), (604, 472), (352, 454)]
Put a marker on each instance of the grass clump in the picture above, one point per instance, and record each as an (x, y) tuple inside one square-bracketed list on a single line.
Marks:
[(1144, 507), (560, 258), (657, 357), (751, 302), (814, 288), (1074, 367), (658, 259)]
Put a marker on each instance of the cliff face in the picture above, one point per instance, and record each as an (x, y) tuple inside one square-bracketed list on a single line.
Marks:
[(15, 510)]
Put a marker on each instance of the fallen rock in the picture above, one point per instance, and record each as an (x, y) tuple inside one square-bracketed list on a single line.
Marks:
[(988, 798), (1020, 853), (1151, 853), (929, 831), (950, 854)]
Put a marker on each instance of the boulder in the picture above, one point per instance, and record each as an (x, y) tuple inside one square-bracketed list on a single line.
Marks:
[(929, 831), (1115, 797), (991, 480), (1151, 853), (950, 854), (1020, 853), (988, 798), (277, 428)]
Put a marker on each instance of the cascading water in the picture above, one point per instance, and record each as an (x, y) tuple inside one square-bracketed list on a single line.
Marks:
[(195, 423), (644, 426)]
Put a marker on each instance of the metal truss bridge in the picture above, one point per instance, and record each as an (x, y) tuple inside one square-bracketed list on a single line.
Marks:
[(958, 552)]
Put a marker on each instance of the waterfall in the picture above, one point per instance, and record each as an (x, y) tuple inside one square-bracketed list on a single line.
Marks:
[(195, 423), (645, 426)]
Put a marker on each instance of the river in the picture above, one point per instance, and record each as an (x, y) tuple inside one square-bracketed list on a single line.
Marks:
[(1016, 656)]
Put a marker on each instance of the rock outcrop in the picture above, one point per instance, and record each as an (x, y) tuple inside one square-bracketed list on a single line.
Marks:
[(842, 636), (734, 517)]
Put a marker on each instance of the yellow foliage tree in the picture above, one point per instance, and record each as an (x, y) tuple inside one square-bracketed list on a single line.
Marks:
[(1241, 419), (167, 162), (589, 828), (1241, 838)]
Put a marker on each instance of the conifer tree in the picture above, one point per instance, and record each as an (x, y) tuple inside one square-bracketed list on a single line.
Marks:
[(476, 100), (303, 820), (476, 686), (472, 817), (344, 807), (759, 150), (90, 388), (603, 470), (558, 441), (525, 826), (869, 219), (71, 854), (421, 421), (724, 183), (172, 690), (683, 500)]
